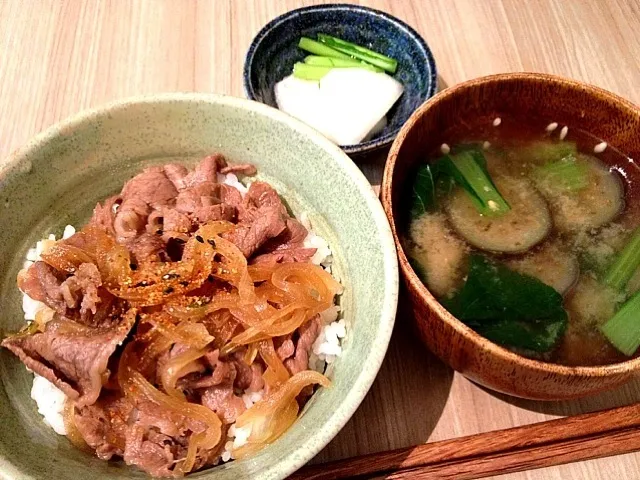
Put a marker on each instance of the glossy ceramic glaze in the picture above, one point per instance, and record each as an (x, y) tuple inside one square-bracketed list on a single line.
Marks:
[(519, 95), (275, 49), (57, 179)]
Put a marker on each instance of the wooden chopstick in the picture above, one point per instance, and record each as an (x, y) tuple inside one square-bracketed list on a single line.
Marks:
[(553, 442)]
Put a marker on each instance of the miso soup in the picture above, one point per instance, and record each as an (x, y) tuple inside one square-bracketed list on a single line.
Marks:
[(527, 234)]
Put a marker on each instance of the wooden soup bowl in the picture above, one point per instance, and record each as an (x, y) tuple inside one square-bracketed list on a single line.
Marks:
[(524, 96)]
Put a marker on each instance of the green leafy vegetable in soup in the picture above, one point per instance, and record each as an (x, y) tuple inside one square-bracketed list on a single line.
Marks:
[(509, 308)]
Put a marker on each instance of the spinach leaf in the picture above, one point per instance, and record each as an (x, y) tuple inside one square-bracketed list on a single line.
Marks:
[(423, 196), (509, 308)]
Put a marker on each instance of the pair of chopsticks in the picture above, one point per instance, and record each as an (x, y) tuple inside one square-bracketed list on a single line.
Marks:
[(554, 442)]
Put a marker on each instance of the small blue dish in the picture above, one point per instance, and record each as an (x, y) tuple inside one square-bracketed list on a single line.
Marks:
[(275, 49)]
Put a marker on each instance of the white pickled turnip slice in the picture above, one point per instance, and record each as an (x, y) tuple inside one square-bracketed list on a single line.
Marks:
[(357, 99), (439, 252), (300, 99), (599, 202), (347, 106), (378, 127), (525, 225), (551, 264)]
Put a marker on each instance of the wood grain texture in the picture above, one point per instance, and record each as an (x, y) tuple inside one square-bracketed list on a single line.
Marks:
[(59, 57), (542, 444)]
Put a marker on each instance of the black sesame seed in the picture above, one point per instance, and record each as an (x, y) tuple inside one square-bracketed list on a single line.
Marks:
[(143, 283), (158, 232), (168, 290), (184, 283), (211, 242), (133, 266), (210, 278), (199, 239), (169, 276)]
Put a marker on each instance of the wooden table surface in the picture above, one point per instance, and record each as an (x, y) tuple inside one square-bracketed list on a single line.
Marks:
[(59, 57)]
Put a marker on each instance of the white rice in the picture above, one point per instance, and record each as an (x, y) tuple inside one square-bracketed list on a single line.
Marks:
[(497, 121), (50, 401), (49, 398), (563, 132), (325, 350)]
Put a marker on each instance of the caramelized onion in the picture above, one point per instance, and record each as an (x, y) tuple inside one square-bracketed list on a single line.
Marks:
[(65, 257), (274, 414), (43, 316), (73, 434), (272, 360), (251, 353), (188, 333), (138, 388), (178, 367)]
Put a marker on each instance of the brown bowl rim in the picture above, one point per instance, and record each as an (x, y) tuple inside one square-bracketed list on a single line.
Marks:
[(410, 275)]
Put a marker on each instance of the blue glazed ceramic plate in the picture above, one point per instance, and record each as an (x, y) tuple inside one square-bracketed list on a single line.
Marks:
[(275, 49)]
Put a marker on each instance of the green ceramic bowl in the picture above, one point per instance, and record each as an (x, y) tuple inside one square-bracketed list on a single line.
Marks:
[(59, 176)]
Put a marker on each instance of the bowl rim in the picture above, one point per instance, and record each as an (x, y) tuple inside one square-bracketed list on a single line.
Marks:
[(369, 145), (418, 286), (320, 437)]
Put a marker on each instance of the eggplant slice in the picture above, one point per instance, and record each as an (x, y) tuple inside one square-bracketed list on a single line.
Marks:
[(440, 254), (595, 205), (551, 264), (521, 228)]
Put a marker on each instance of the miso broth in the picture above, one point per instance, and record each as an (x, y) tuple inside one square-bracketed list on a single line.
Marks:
[(516, 228)]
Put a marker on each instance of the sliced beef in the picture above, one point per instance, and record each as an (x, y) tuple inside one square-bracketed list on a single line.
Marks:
[(174, 221), (289, 255), (72, 356), (42, 282), (285, 348), (213, 213), (79, 296), (307, 334), (266, 229), (104, 424), (170, 224), (292, 237), (287, 247), (244, 373), (81, 290), (206, 171), (257, 381), (269, 222), (168, 422), (241, 168), (224, 402), (104, 214), (200, 195), (151, 451), (260, 195), (147, 248), (131, 219), (231, 196), (151, 187), (176, 173), (144, 434)]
